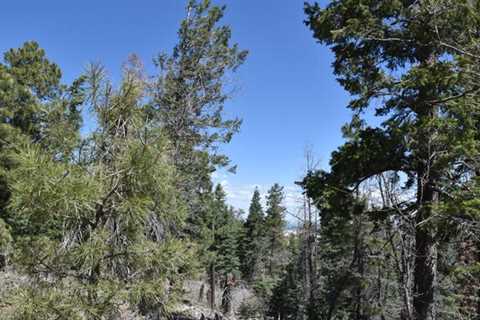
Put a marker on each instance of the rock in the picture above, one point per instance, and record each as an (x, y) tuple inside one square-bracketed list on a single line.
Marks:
[(185, 312)]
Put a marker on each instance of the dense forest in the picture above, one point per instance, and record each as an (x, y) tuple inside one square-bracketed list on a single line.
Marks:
[(124, 220)]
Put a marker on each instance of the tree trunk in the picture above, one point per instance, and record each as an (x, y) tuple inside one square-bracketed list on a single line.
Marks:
[(428, 176), (201, 292), (425, 252), (3, 261), (469, 287), (227, 295), (211, 296), (359, 267), (307, 241)]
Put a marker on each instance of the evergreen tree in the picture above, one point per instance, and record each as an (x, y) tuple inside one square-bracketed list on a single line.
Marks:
[(97, 231), (190, 95), (252, 249), (286, 300), (275, 240), (394, 54), (34, 103), (101, 218), (364, 259), (221, 230), (226, 235), (229, 256)]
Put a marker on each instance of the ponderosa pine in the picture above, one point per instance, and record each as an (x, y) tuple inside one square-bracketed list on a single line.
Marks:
[(95, 230)]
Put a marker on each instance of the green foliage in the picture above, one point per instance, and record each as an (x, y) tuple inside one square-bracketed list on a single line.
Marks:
[(34, 100), (274, 230), (272, 255), (252, 249), (99, 221), (406, 61), (5, 237), (30, 68), (190, 93), (100, 228), (285, 299), (220, 235), (36, 106), (228, 231)]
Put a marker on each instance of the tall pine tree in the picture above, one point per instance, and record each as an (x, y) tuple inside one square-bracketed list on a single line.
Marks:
[(274, 236), (252, 245), (189, 97), (392, 57)]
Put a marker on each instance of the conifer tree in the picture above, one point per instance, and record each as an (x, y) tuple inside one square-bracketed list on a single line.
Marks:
[(252, 244), (96, 231), (275, 241), (220, 233), (190, 93), (393, 55), (34, 103), (286, 299), (227, 235), (102, 218)]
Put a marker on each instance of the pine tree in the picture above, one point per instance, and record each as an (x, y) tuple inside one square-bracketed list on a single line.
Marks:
[(99, 228), (34, 103), (190, 95), (275, 241), (227, 235), (265, 251), (229, 256), (394, 53), (220, 234), (252, 249), (363, 258), (102, 218), (286, 299)]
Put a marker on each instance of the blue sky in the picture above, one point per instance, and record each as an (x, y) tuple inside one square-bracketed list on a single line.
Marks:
[(287, 96)]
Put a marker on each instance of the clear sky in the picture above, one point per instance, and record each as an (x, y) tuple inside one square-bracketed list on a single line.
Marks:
[(287, 97)]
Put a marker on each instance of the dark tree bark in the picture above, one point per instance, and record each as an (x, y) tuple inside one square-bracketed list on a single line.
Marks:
[(425, 250), (211, 292), (3, 262), (227, 295)]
